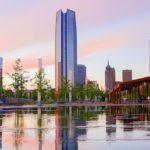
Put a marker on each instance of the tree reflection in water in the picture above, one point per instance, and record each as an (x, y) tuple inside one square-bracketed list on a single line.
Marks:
[(18, 129), (73, 123)]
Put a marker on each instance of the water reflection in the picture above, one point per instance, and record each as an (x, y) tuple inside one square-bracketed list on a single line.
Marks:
[(1, 117), (39, 124), (65, 131), (18, 132), (74, 128), (110, 121), (71, 123), (131, 116)]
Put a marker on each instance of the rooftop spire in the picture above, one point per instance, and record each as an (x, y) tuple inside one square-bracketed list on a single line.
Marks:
[(108, 66), (108, 63)]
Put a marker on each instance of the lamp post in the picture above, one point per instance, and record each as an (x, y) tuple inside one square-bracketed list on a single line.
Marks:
[(47, 90), (70, 86), (70, 95), (39, 92)]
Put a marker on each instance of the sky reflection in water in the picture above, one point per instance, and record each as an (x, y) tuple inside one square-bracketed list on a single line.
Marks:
[(75, 128)]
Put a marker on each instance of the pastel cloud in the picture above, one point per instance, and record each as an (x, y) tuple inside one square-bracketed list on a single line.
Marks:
[(27, 63), (36, 22), (23, 29), (123, 36)]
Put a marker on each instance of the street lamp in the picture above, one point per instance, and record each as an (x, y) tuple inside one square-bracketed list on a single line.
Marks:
[(47, 90), (39, 92), (70, 94)]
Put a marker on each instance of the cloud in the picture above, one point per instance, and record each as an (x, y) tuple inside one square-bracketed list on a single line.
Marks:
[(27, 63), (125, 33), (28, 23), (25, 28)]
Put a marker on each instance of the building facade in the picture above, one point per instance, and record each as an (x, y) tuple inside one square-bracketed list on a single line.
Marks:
[(81, 70), (109, 78), (126, 75), (65, 47)]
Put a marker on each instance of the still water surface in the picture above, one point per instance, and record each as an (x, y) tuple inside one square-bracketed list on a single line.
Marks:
[(75, 128)]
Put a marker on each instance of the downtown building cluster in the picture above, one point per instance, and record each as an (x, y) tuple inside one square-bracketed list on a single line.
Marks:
[(66, 55), (110, 77)]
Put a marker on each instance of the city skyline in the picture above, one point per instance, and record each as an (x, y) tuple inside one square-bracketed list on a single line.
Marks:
[(120, 34)]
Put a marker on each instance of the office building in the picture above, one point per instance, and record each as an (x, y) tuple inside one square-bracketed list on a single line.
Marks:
[(65, 47), (81, 70), (126, 75), (109, 78)]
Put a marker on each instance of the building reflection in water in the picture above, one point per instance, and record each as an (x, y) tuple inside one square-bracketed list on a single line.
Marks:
[(71, 125), (110, 124), (129, 116), (1, 122), (72, 137), (57, 130), (66, 135)]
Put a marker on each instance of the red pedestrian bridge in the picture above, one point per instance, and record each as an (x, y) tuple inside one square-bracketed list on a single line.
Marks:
[(134, 91)]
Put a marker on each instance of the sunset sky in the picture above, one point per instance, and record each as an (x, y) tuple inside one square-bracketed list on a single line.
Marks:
[(114, 30)]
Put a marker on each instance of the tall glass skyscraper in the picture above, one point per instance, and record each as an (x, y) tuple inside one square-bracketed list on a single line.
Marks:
[(65, 47)]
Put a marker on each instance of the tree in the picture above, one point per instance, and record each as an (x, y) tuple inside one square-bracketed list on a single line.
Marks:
[(41, 82), (93, 92), (19, 79), (8, 92), (77, 92), (64, 89), (90, 90), (52, 95)]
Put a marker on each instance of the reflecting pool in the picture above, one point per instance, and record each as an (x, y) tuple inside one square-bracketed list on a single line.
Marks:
[(75, 128)]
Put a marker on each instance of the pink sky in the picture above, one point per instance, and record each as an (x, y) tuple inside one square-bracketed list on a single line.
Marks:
[(104, 27)]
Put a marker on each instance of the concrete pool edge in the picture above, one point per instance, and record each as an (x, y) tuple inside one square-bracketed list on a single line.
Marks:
[(68, 105)]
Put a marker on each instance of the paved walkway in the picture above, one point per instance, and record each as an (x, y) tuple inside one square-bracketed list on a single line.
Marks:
[(68, 104)]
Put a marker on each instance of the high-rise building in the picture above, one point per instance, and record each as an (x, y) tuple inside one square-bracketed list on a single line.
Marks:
[(65, 47), (81, 74), (1, 74), (109, 78), (126, 75)]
